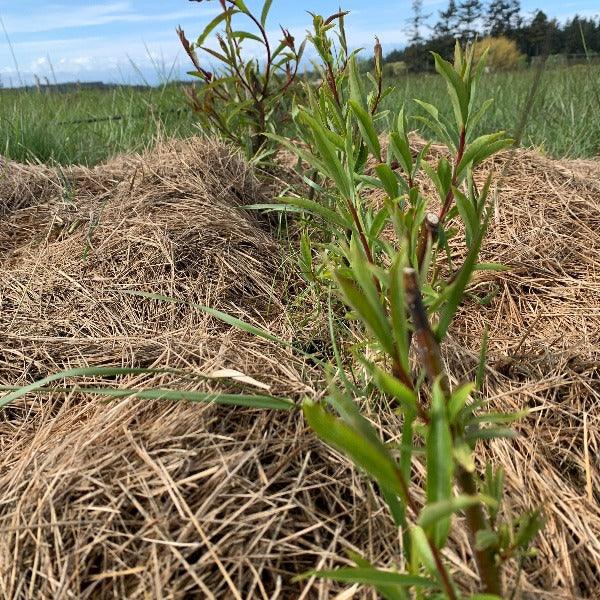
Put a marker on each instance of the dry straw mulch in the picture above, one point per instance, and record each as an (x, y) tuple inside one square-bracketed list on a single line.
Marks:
[(131, 499)]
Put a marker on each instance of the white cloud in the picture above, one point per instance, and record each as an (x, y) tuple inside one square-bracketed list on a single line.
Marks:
[(109, 56), (59, 16)]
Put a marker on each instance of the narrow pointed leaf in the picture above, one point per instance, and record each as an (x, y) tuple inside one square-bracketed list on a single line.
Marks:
[(458, 400), (456, 292), (265, 12), (329, 158), (330, 216), (370, 457), (388, 179), (213, 24), (357, 93), (440, 464), (439, 511), (367, 129), (374, 577), (386, 591)]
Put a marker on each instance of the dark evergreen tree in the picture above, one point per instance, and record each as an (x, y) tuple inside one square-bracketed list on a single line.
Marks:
[(503, 17), (465, 19), (540, 36), (579, 36), (448, 23), (417, 21), (469, 18)]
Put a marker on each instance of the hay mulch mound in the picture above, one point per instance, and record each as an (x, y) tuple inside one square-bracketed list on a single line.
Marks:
[(132, 499)]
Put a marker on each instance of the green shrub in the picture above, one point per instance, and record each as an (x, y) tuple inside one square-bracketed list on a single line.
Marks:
[(503, 54), (244, 98), (395, 289), (395, 69)]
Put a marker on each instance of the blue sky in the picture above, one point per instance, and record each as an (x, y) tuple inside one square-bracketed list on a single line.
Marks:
[(101, 40)]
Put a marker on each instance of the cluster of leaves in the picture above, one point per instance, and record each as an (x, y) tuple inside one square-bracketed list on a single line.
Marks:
[(244, 97), (391, 265)]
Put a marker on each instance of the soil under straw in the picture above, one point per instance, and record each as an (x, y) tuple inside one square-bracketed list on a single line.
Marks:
[(133, 499)]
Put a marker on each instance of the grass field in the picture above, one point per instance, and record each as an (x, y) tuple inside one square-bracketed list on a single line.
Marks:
[(564, 119), (54, 127)]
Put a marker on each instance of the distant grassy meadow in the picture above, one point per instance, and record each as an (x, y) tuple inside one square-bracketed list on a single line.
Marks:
[(55, 127)]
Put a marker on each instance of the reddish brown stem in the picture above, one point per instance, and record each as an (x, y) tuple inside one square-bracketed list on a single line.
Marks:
[(429, 354), (459, 155), (363, 238), (332, 85), (428, 349), (477, 521)]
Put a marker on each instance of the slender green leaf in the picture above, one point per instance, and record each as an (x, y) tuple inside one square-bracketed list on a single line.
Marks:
[(369, 314), (398, 310), (70, 373), (265, 12), (400, 144), (421, 551), (486, 538), (476, 117), (492, 266), (440, 511), (374, 577), (371, 457), (458, 400), (388, 179), (457, 289), (440, 464), (367, 129), (213, 24), (481, 148), (331, 217), (459, 93), (248, 400), (296, 149), (490, 434), (217, 314), (331, 162), (246, 35), (393, 387), (357, 93), (386, 591), (351, 415)]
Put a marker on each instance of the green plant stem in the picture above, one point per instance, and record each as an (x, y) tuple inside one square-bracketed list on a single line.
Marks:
[(435, 551), (399, 372), (428, 350)]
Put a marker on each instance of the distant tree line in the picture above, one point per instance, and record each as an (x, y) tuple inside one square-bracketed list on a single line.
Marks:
[(466, 20)]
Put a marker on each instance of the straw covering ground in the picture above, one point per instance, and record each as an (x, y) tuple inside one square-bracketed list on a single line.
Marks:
[(137, 499)]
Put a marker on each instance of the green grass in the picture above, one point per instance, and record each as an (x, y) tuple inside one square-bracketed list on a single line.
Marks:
[(565, 115), (38, 126), (564, 121)]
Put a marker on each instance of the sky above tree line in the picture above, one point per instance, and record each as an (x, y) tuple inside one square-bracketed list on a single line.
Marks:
[(134, 41)]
